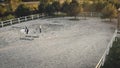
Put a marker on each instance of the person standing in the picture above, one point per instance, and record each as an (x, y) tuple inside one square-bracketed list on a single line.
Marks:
[(26, 30), (40, 28)]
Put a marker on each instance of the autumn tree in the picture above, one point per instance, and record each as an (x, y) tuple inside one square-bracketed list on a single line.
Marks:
[(109, 11), (3, 10), (13, 4), (46, 1)]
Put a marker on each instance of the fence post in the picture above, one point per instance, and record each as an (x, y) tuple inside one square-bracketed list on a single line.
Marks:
[(2, 24), (31, 17), (38, 16), (10, 22), (103, 60), (91, 14), (25, 18), (18, 20)]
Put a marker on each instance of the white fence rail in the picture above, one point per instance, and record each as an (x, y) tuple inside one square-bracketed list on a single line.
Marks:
[(103, 58), (19, 20), (37, 16)]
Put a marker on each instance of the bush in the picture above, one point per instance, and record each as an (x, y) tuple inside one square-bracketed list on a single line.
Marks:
[(10, 17), (7, 17)]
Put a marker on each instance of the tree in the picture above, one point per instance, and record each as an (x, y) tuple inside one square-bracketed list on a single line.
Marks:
[(46, 1), (41, 8), (56, 6), (49, 9), (75, 8), (13, 4), (65, 7), (109, 11), (22, 10), (99, 6), (3, 10), (29, 0), (86, 6)]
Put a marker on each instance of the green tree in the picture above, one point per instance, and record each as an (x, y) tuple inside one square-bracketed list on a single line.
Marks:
[(22, 10), (75, 8), (49, 9), (41, 8), (109, 11), (65, 7), (56, 6)]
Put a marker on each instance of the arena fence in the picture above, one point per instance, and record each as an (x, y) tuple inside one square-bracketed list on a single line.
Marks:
[(90, 14), (20, 20), (103, 58), (37, 16)]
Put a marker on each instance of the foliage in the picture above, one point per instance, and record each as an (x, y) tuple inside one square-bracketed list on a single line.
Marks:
[(65, 7), (0, 19), (10, 16), (109, 11), (3, 9), (49, 9), (69, 7), (22, 10), (56, 6), (113, 59), (41, 8), (75, 8), (86, 6), (13, 4), (117, 5), (29, 0), (98, 6), (46, 2)]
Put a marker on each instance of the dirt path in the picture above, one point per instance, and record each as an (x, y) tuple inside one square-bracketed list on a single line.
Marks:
[(63, 44)]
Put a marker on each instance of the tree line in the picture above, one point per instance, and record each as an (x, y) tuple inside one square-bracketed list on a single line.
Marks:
[(108, 8)]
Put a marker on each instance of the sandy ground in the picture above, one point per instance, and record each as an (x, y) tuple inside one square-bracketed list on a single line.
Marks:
[(62, 44)]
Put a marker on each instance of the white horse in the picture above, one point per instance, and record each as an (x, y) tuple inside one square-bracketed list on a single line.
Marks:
[(23, 31)]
